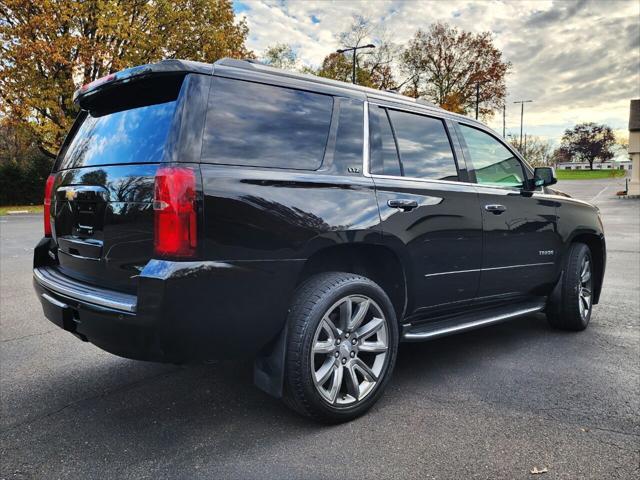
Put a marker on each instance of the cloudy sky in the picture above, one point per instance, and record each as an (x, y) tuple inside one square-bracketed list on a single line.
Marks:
[(579, 60)]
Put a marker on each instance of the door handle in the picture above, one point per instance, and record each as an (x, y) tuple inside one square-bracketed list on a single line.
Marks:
[(405, 205), (495, 209)]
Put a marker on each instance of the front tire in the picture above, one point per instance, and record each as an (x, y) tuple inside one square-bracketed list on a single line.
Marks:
[(572, 310), (341, 348)]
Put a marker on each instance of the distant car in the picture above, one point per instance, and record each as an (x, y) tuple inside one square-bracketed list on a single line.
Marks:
[(199, 212)]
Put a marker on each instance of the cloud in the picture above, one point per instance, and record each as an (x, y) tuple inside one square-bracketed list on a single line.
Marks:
[(578, 61)]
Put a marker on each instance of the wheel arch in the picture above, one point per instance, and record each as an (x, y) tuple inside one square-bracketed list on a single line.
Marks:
[(376, 262), (596, 244)]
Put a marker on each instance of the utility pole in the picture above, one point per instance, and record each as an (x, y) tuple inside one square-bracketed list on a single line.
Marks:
[(504, 119), (354, 59), (522, 102), (477, 98)]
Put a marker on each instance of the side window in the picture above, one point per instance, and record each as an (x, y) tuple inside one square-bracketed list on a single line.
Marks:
[(349, 138), (384, 155), (265, 126), (425, 151), (493, 163)]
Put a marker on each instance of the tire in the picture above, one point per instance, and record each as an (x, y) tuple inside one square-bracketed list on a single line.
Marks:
[(317, 323), (572, 309)]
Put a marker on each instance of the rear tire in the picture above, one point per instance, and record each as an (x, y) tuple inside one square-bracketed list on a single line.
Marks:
[(572, 309), (341, 347)]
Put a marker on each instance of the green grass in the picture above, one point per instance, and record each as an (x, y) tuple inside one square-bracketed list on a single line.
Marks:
[(588, 174), (28, 208)]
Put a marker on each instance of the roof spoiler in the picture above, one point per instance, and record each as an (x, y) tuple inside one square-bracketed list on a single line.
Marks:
[(84, 94)]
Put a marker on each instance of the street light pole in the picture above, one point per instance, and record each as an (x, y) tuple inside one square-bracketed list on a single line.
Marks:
[(522, 102), (353, 61), (477, 98), (353, 67)]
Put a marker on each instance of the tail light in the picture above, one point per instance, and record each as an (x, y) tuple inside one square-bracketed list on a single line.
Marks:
[(176, 232), (48, 192)]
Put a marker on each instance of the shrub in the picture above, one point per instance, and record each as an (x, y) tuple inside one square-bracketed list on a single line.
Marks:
[(23, 183)]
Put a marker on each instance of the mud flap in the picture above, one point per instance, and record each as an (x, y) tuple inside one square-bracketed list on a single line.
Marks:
[(269, 366), (553, 301)]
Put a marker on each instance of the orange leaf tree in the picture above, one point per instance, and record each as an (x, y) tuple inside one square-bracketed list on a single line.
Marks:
[(445, 65), (48, 48)]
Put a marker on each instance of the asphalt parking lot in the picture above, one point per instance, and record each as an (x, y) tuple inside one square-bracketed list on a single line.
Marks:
[(492, 403)]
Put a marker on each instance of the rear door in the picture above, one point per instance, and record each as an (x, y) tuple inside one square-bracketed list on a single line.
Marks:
[(428, 210), (521, 242), (102, 205)]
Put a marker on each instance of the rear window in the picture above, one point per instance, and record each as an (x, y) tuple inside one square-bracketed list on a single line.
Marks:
[(136, 135), (423, 144), (349, 138), (265, 126), (384, 153)]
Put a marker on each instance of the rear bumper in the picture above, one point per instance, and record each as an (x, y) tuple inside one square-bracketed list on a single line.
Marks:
[(117, 331), (51, 279), (183, 311)]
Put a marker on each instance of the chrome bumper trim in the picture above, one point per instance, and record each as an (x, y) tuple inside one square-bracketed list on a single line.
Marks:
[(53, 280)]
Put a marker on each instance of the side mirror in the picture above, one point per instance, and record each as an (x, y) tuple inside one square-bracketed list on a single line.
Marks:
[(544, 176)]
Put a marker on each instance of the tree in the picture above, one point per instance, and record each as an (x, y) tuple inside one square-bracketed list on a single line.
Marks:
[(588, 142), (560, 155), (337, 66), (621, 147), (374, 67), (49, 48), (536, 150), (380, 63), (281, 55), (375, 63), (23, 167), (445, 65)]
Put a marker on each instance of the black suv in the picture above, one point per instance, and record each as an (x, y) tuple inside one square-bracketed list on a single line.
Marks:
[(198, 212)]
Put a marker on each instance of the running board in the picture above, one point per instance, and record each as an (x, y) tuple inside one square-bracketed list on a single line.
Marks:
[(465, 322)]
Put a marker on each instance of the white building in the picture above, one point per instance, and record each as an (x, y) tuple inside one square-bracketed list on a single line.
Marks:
[(634, 147), (615, 165)]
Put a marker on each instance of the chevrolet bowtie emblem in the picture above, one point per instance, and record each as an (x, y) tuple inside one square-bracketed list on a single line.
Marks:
[(71, 194)]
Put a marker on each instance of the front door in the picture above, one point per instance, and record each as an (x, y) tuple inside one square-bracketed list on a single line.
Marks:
[(520, 237), (426, 212)]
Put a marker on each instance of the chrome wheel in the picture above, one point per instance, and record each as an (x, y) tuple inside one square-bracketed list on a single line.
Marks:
[(349, 350), (584, 288)]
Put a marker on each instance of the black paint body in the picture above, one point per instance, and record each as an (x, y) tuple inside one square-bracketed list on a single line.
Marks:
[(263, 230)]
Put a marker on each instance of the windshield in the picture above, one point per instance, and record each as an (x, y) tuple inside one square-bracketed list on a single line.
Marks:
[(136, 135)]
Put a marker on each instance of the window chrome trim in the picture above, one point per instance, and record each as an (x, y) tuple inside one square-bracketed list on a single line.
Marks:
[(365, 143), (423, 180), (366, 160), (366, 157), (489, 269)]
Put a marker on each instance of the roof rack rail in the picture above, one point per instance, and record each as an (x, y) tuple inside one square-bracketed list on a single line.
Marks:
[(425, 102), (252, 64)]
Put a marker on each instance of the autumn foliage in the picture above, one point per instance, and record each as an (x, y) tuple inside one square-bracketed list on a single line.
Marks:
[(446, 65), (51, 47)]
